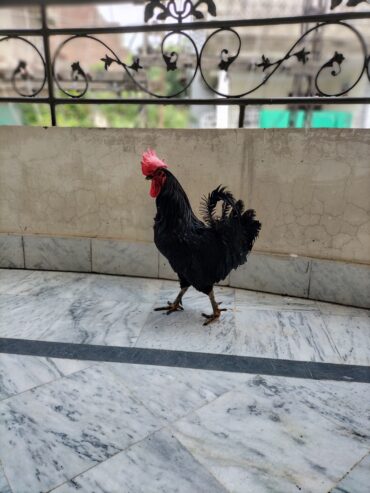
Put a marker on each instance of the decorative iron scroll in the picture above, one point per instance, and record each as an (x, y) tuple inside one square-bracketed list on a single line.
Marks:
[(161, 10)]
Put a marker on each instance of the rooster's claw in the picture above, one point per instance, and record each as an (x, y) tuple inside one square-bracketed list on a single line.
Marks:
[(214, 316), (170, 308)]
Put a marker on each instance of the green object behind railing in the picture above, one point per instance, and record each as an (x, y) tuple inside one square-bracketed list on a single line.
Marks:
[(319, 119)]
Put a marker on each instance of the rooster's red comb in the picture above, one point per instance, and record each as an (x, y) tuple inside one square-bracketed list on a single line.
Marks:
[(150, 162)]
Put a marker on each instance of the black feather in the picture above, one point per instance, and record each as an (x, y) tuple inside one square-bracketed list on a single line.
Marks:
[(203, 253)]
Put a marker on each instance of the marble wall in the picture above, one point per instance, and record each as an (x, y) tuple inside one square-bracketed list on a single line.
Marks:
[(310, 188), (75, 200), (304, 277)]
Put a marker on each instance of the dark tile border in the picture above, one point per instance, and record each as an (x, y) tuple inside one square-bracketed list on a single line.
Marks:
[(185, 359)]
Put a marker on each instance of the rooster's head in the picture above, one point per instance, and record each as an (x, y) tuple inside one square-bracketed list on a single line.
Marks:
[(152, 168)]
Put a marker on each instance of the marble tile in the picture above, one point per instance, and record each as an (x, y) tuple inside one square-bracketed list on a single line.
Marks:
[(68, 254), (280, 435), (184, 330), (327, 308), (29, 317), (4, 485), (127, 289), (285, 334), (11, 278), (264, 301), (275, 274), (11, 252), (166, 272), (110, 322), (171, 393), (125, 258), (65, 427), (21, 373), (157, 464), (44, 284), (338, 282), (351, 336), (357, 480)]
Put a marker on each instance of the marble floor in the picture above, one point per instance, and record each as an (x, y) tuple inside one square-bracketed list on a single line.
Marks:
[(98, 427)]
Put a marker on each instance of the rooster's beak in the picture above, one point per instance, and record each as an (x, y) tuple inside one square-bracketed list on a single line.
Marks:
[(149, 177)]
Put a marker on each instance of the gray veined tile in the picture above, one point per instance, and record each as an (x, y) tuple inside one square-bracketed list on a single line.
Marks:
[(357, 480), (11, 252), (55, 432), (158, 464), (123, 257), (280, 435), (340, 282), (273, 273), (21, 373), (184, 330), (68, 254)]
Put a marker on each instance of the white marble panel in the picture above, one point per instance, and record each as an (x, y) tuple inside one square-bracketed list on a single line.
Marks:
[(158, 464), (274, 274), (125, 258), (127, 289), (339, 282), (21, 373), (11, 252), (106, 322), (52, 433), (357, 480), (173, 392), (280, 435), (184, 330), (44, 284), (255, 300), (284, 334), (29, 317), (10, 279), (67, 254)]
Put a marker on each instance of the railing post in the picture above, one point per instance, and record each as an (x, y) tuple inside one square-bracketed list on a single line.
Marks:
[(48, 67), (241, 116)]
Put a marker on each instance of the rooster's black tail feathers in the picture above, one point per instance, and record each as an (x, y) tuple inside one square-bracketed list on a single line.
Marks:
[(209, 203), (232, 211), (251, 226)]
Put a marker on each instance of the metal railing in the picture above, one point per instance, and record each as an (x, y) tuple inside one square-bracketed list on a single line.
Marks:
[(49, 87)]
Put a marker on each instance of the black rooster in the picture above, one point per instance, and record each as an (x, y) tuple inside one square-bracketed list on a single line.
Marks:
[(201, 253)]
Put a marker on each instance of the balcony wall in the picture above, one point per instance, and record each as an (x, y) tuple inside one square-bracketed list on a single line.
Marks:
[(75, 199)]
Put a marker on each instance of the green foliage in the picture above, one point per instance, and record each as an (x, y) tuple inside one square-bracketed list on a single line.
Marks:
[(108, 115)]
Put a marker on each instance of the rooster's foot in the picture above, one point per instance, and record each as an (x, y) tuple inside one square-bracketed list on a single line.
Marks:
[(170, 308), (215, 316)]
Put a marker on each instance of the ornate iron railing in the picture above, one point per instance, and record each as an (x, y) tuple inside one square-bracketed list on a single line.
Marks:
[(50, 86)]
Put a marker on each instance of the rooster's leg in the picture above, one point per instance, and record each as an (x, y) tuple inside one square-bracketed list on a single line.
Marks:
[(216, 310), (176, 305)]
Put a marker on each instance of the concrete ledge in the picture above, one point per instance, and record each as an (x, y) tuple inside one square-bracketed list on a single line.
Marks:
[(11, 252), (125, 258), (274, 274), (339, 282), (70, 254), (324, 280)]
